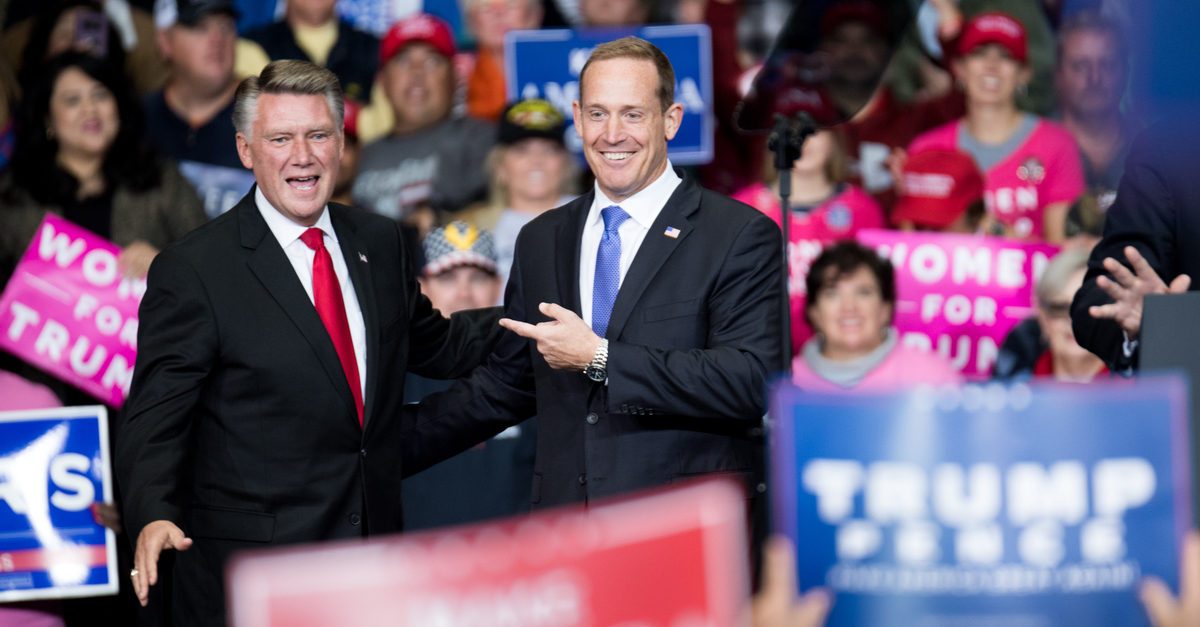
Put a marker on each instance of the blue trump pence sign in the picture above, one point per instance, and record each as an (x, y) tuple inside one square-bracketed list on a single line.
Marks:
[(53, 465), (546, 64), (1033, 506)]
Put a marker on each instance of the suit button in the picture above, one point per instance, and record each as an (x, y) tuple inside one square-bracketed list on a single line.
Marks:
[(355, 519), (363, 452), (583, 479), (624, 409), (593, 419)]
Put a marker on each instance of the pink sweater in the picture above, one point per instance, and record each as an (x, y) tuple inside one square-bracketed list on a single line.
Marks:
[(902, 368)]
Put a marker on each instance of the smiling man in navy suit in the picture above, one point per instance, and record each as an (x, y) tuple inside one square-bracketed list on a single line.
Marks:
[(646, 313)]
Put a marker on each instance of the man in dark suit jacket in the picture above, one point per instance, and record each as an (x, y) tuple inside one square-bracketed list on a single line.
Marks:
[(274, 342), (1154, 225), (668, 295)]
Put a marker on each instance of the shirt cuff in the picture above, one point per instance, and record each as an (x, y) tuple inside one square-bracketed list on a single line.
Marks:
[(1128, 346)]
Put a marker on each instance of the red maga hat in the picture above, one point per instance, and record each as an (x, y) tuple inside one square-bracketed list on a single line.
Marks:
[(995, 27), (422, 28), (938, 187)]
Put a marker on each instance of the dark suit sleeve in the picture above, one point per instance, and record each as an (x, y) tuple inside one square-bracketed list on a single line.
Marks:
[(1145, 215), (729, 377), (177, 349), (496, 396)]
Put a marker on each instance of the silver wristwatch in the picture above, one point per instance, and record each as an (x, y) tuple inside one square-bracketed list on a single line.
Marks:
[(598, 369)]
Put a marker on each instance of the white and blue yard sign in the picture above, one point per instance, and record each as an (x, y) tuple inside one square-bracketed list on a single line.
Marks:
[(53, 465), (1033, 506), (546, 64)]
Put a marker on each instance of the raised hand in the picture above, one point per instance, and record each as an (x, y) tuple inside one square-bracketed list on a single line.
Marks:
[(1130, 288)]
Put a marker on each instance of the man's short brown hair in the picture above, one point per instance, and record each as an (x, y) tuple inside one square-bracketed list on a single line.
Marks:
[(635, 48)]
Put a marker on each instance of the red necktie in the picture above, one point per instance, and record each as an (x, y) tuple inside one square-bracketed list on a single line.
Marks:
[(327, 295)]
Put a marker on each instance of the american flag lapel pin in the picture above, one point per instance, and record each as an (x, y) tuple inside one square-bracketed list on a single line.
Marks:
[(362, 257), (672, 232)]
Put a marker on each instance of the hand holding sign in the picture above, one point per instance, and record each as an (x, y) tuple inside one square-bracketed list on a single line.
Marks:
[(1164, 609), (154, 538), (135, 259), (776, 604), (567, 342)]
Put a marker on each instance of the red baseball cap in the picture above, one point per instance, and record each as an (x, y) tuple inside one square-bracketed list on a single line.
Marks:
[(422, 28), (863, 11), (938, 187), (995, 27)]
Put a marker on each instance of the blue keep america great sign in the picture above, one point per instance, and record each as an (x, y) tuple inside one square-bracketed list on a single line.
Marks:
[(1029, 506), (546, 64), (53, 465)]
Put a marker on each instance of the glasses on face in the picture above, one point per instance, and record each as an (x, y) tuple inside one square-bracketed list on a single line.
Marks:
[(1058, 310)]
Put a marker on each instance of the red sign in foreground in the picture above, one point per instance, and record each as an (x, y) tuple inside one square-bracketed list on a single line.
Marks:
[(671, 559)]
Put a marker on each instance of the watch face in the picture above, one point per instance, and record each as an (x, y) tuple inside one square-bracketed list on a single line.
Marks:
[(596, 374)]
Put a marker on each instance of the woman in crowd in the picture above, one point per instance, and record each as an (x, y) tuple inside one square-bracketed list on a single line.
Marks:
[(851, 300), (81, 155), (1065, 359), (531, 173), (1031, 165), (824, 209)]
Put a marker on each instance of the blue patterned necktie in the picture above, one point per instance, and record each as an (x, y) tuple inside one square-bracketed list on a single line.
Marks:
[(608, 269)]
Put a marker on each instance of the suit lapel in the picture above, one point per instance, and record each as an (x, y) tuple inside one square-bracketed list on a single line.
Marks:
[(567, 241), (653, 252), (270, 264), (354, 251)]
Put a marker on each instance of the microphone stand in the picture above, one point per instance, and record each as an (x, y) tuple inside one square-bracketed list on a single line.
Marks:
[(787, 142)]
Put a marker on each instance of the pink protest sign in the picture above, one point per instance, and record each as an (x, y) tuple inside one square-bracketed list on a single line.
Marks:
[(961, 294), (68, 311)]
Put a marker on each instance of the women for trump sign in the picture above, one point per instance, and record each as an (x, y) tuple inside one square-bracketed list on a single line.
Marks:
[(960, 295), (68, 310), (1039, 505)]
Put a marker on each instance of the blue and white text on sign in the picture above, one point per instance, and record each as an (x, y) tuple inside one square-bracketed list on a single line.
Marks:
[(1035, 506), (53, 465), (546, 64)]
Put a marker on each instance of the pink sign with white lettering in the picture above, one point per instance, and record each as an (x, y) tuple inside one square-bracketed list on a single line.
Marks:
[(68, 310), (961, 294)]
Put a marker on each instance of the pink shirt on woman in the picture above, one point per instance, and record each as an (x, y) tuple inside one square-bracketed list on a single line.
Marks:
[(903, 368), (840, 217), (1045, 169)]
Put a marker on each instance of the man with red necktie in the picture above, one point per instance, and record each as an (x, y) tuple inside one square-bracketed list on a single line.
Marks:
[(274, 343)]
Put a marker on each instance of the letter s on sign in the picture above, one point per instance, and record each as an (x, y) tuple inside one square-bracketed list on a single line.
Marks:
[(63, 469)]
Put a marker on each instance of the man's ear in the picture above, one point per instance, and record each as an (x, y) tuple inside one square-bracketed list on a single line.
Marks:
[(577, 115), (243, 148), (673, 118)]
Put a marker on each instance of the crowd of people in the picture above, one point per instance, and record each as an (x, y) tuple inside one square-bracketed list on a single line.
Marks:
[(1009, 118)]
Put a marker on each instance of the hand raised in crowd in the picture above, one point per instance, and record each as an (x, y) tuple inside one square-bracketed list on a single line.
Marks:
[(1164, 608), (1130, 288), (567, 342), (154, 538), (777, 603), (135, 259)]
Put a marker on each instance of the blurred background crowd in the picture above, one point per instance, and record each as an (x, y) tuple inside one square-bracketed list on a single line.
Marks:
[(994, 117)]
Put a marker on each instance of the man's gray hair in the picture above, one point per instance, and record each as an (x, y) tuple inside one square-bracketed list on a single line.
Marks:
[(299, 78)]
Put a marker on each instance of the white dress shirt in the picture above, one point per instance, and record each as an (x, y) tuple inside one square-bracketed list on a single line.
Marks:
[(288, 233), (643, 209)]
